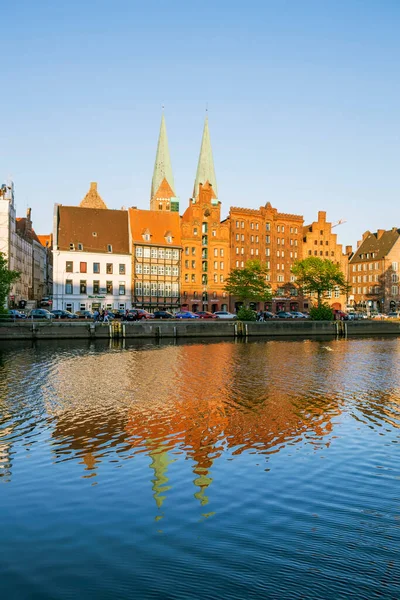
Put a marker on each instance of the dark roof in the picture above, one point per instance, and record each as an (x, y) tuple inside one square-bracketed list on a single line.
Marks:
[(76, 225), (24, 228), (379, 247)]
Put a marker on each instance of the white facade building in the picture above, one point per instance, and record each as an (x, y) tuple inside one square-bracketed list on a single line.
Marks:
[(92, 263)]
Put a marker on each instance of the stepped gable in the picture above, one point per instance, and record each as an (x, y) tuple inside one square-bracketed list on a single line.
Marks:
[(93, 198), (95, 228)]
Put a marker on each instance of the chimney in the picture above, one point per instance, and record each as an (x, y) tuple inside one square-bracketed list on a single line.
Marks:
[(380, 233), (365, 235)]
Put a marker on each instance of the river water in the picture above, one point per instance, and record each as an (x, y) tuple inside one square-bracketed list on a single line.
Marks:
[(218, 470)]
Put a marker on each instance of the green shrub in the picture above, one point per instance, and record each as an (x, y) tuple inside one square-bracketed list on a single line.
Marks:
[(321, 313), (246, 314)]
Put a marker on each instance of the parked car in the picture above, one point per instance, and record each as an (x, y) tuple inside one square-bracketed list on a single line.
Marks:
[(379, 316), (224, 314), (282, 314), (186, 315), (85, 314), (138, 314), (163, 314), (204, 314), (16, 314), (40, 313), (64, 314), (393, 315), (298, 315)]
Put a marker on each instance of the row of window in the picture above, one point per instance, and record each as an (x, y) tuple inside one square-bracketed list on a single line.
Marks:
[(374, 289), (96, 289), (80, 246), (193, 278), (281, 253), (147, 269), (163, 253), (279, 228), (151, 288), (365, 278), (321, 253), (147, 237), (83, 267), (372, 266)]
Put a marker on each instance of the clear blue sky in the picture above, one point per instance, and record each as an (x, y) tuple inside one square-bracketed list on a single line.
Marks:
[(303, 97)]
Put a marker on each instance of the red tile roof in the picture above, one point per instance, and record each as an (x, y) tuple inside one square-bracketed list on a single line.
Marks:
[(157, 223)]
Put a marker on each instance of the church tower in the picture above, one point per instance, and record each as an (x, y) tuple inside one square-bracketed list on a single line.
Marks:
[(162, 195), (205, 169)]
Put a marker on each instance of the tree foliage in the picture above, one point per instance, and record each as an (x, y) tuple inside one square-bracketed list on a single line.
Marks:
[(321, 313), (318, 275), (7, 278), (248, 284), (246, 314)]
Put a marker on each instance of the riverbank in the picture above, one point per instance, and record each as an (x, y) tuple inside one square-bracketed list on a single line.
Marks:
[(31, 330)]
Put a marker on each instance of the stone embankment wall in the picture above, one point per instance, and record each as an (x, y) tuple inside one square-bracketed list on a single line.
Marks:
[(28, 330)]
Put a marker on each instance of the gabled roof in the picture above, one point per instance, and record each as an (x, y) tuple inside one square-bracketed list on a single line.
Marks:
[(77, 225), (157, 223), (380, 247), (205, 168), (162, 166), (93, 198), (24, 229)]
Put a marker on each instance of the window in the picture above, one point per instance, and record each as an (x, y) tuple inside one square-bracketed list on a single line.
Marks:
[(109, 248), (169, 239), (194, 230), (242, 224), (242, 264), (193, 264), (237, 264), (138, 288), (69, 266), (214, 232), (193, 251), (215, 251), (109, 287), (267, 239), (96, 287), (251, 251), (82, 287), (252, 239), (237, 250), (204, 227), (69, 286), (256, 239), (394, 266), (153, 288), (153, 269), (186, 276), (175, 254), (278, 253), (80, 247), (278, 228), (168, 270), (72, 246), (193, 277), (186, 264), (138, 268), (337, 292), (153, 252), (146, 288), (161, 253), (395, 290), (96, 267), (237, 237), (283, 229), (146, 269), (242, 237), (256, 251), (395, 278), (139, 251), (186, 250), (161, 269), (175, 290), (267, 226), (122, 288), (146, 237), (168, 254), (215, 264), (237, 224), (267, 251), (242, 251), (280, 278), (215, 278), (257, 226), (109, 268), (121, 269), (175, 271)]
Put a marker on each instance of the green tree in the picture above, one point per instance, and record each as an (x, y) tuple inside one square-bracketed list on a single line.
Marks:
[(318, 275), (7, 278), (248, 284)]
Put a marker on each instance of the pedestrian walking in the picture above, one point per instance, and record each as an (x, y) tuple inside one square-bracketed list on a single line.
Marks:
[(105, 318), (96, 315)]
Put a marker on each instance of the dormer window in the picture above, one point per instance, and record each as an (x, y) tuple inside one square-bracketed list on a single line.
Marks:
[(146, 235), (72, 246), (94, 234), (80, 246), (168, 237), (109, 248)]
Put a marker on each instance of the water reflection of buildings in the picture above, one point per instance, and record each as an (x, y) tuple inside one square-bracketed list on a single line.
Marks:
[(200, 400)]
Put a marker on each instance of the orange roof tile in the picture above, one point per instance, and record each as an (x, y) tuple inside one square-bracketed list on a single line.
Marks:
[(46, 240), (164, 191), (158, 224)]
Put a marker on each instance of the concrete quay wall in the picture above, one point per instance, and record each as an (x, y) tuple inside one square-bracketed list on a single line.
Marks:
[(28, 330)]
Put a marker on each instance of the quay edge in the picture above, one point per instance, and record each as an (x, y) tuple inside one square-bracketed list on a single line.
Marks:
[(28, 330)]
